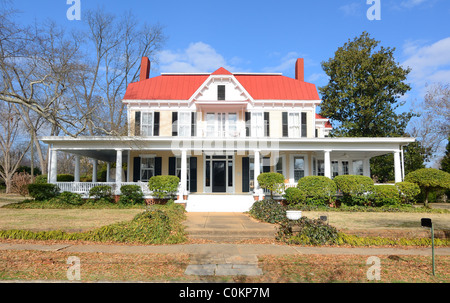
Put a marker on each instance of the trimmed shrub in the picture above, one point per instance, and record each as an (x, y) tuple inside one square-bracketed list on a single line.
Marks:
[(268, 211), (69, 198), (408, 191), (40, 179), (355, 189), (385, 195), (294, 196), (271, 181), (103, 192), (131, 194), (319, 190), (65, 178), (429, 180), (43, 191), (59, 178), (163, 186), (311, 232)]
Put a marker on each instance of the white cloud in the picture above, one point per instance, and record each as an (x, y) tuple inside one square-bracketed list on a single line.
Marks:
[(411, 3), (197, 57), (351, 9), (287, 64), (429, 63)]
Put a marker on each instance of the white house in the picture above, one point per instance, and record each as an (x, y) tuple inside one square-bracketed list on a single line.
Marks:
[(218, 131)]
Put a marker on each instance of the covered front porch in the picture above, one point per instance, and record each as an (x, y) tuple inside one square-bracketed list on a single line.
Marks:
[(226, 166)]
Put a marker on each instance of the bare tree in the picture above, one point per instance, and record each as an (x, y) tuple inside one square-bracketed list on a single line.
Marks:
[(432, 127), (35, 68), (118, 44), (11, 153)]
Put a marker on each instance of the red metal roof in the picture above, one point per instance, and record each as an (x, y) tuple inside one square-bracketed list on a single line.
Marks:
[(165, 87), (183, 86), (277, 87)]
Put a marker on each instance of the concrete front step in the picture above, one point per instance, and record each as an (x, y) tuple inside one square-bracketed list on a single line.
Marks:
[(219, 203)]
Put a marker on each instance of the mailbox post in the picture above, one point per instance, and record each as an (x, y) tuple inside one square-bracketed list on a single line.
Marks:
[(426, 222)]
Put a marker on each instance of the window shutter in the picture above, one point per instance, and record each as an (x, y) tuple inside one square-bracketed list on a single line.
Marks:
[(285, 124), (304, 126), (156, 124), (247, 123), (136, 169), (172, 166), (158, 164), (245, 174), (193, 174), (174, 124), (266, 125), (193, 124), (137, 123)]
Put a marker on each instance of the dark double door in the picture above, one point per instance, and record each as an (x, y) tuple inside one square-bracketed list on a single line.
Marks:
[(219, 178)]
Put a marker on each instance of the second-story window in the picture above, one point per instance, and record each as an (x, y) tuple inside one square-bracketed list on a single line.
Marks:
[(146, 124), (220, 92), (184, 124), (257, 123)]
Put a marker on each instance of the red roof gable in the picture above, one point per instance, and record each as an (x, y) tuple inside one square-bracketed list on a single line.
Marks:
[(221, 71), (183, 86)]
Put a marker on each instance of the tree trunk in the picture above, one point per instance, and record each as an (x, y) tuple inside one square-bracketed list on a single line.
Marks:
[(426, 199)]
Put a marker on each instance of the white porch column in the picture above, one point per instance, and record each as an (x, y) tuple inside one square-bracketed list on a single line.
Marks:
[(257, 171), (183, 179), (108, 171), (397, 167), (53, 166), (366, 167), (129, 178), (77, 169), (118, 170), (94, 170), (327, 163)]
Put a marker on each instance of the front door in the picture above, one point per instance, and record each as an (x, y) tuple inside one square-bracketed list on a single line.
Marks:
[(219, 184)]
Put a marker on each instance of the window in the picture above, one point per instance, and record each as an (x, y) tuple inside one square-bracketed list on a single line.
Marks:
[(299, 168), (232, 125), (210, 125), (334, 168), (147, 168), (220, 92), (345, 168), (221, 125), (358, 167), (294, 125), (184, 124), (320, 168), (257, 122), (146, 124), (314, 163)]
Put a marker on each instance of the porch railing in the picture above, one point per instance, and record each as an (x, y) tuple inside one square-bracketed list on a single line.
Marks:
[(83, 188)]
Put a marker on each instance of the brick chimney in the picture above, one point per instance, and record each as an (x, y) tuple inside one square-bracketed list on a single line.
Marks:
[(145, 69), (299, 70)]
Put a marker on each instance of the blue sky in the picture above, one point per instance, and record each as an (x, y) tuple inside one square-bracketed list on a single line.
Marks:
[(268, 36)]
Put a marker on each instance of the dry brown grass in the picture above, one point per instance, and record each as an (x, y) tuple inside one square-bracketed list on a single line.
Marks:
[(62, 219)]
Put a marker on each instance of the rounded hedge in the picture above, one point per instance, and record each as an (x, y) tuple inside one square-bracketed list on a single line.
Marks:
[(385, 195), (355, 188), (318, 189), (294, 196), (408, 191)]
